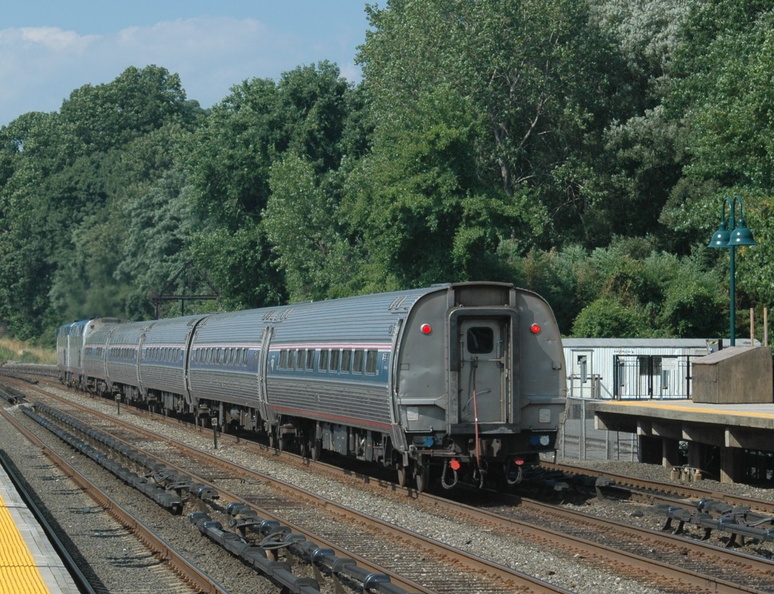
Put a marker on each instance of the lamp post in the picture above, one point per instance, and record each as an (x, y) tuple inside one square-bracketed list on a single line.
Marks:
[(725, 238)]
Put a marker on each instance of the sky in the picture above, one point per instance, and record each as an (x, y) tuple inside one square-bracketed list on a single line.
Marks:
[(49, 48)]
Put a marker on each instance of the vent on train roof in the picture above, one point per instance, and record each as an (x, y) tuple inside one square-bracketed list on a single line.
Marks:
[(398, 302)]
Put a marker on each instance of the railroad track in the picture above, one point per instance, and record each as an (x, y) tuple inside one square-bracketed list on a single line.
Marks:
[(422, 565), (663, 492), (640, 566), (188, 572)]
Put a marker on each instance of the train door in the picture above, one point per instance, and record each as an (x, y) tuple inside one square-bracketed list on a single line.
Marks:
[(483, 370), (263, 367)]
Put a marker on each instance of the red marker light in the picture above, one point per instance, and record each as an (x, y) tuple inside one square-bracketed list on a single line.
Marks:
[(426, 328), (455, 464), (535, 328), (518, 461)]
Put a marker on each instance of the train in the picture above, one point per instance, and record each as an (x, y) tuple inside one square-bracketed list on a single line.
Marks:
[(456, 383)]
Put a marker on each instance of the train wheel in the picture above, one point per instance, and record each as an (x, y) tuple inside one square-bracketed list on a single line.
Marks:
[(402, 472), (303, 447), (422, 477), (316, 449)]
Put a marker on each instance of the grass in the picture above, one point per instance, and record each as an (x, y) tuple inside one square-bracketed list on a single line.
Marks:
[(20, 352)]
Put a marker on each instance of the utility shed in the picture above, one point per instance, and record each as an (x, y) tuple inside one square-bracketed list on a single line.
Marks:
[(737, 375), (640, 368)]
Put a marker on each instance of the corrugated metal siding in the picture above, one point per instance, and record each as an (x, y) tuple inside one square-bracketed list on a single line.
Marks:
[(337, 402), (356, 319), (241, 329), (166, 376), (368, 321), (93, 362), (125, 336), (69, 339), (239, 387)]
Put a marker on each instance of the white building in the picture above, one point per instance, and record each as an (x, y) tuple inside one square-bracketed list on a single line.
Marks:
[(634, 368)]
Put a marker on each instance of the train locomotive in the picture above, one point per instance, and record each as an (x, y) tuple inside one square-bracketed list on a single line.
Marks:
[(455, 383)]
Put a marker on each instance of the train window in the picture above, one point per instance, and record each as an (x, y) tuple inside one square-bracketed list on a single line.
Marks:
[(371, 357), (291, 359), (480, 340), (310, 359), (283, 359), (323, 363), (300, 358), (346, 360), (333, 364), (357, 364)]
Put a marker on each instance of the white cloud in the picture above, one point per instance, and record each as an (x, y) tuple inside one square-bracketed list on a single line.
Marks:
[(39, 67), (50, 38)]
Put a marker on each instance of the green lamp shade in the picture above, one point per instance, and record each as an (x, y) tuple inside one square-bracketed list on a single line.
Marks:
[(720, 237), (741, 235)]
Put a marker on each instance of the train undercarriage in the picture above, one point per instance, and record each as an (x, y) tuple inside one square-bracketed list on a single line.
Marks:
[(425, 462)]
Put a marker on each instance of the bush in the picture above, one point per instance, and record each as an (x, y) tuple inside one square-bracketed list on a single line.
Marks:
[(608, 318), (19, 352)]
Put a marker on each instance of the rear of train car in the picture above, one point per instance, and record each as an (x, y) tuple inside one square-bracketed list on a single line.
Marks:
[(479, 385)]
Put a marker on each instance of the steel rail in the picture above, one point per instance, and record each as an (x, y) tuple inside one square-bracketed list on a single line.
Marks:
[(633, 560), (615, 555), (493, 571), (187, 571), (659, 488)]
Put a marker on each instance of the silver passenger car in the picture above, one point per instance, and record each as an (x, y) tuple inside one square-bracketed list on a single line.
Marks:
[(121, 357), (466, 379), (163, 360), (73, 348)]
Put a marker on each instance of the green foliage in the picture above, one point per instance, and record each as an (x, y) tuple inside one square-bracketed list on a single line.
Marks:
[(608, 318), (240, 265), (579, 149), (301, 223), (692, 310)]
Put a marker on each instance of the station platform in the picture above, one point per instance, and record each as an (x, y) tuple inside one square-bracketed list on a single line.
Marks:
[(29, 564), (662, 424)]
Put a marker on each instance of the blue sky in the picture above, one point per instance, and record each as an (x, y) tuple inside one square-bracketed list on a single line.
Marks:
[(50, 48)]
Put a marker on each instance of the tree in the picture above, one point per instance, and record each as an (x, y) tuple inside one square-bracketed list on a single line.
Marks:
[(524, 68), (66, 177), (230, 165), (137, 102), (301, 222)]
